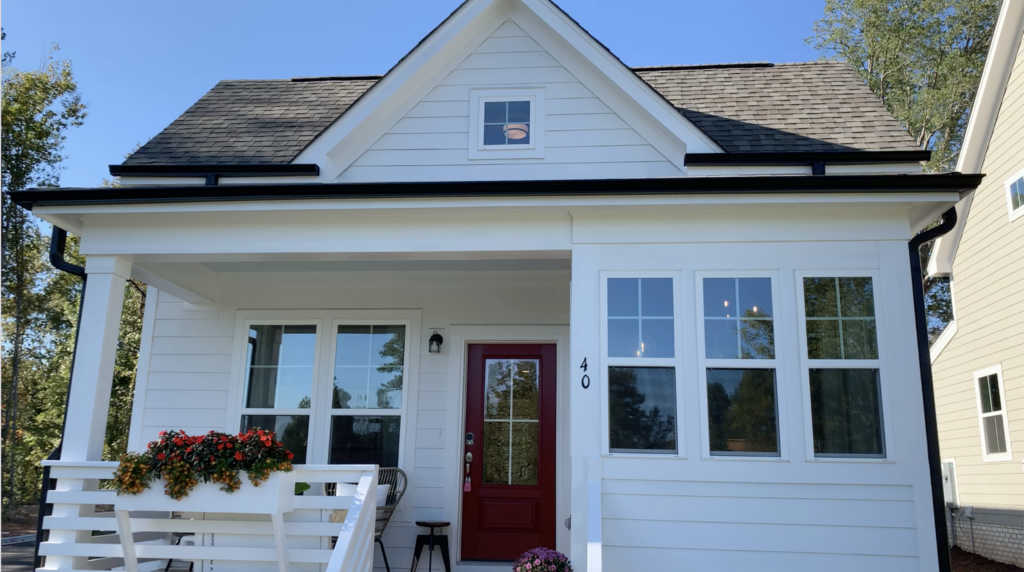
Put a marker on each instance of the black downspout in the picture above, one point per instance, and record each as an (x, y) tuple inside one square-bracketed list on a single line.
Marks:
[(927, 389), (58, 244)]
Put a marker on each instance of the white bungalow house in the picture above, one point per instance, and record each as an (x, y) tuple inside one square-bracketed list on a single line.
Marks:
[(655, 318)]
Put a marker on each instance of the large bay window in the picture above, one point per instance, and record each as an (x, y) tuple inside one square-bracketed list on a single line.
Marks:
[(332, 395)]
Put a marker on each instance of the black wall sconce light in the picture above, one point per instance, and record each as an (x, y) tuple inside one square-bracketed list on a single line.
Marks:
[(434, 343)]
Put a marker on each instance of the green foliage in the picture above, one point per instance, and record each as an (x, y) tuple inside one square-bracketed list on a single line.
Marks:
[(923, 58), (183, 461), (40, 305)]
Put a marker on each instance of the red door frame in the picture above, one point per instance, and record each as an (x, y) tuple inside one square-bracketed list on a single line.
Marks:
[(481, 541)]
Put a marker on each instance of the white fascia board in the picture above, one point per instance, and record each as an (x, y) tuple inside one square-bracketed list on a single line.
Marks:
[(939, 198), (942, 341), (399, 90), (1002, 53)]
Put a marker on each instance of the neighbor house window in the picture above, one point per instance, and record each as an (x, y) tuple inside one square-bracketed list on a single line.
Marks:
[(280, 367), (739, 366), (368, 394), (843, 367), (506, 123), (640, 347), (995, 432), (1015, 196)]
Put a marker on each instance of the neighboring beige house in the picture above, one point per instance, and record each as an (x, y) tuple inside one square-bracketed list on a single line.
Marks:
[(978, 361)]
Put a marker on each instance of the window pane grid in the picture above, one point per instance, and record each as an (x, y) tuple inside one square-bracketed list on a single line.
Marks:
[(742, 325), (507, 122), (840, 318), (640, 320)]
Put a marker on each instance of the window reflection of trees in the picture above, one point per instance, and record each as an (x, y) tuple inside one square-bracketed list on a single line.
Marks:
[(640, 419), (742, 412)]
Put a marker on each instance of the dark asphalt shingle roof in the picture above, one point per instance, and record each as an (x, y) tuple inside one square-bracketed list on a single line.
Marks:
[(813, 106), (817, 106)]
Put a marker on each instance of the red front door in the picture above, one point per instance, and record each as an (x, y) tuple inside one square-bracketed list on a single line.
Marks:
[(508, 502)]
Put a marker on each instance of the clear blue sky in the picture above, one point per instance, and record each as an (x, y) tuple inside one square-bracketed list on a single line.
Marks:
[(139, 64)]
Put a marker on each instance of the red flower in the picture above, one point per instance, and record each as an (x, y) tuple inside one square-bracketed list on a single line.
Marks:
[(239, 456), (160, 456), (291, 455), (220, 447), (228, 445), (211, 458), (162, 433)]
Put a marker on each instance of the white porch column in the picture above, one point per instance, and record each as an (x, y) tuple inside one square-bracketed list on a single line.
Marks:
[(585, 425), (93, 373)]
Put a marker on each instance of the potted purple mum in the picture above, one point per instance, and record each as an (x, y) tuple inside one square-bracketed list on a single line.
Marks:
[(542, 559)]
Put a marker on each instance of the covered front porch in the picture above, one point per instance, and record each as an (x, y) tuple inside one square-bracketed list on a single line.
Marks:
[(333, 352)]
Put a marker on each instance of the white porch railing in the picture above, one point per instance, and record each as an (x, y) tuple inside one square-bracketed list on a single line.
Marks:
[(83, 526)]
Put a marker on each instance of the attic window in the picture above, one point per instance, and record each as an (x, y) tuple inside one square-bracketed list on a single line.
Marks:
[(506, 124)]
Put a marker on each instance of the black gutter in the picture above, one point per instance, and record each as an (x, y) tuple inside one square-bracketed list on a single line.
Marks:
[(861, 184), (58, 244), (212, 172), (797, 158), (927, 385)]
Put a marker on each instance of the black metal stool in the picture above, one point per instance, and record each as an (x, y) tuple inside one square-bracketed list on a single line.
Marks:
[(430, 540)]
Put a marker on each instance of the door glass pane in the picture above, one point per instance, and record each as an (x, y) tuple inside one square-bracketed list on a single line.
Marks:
[(368, 367), (291, 430), (511, 421), (523, 455), (642, 409), (496, 448), (995, 438), (361, 439), (525, 390), (742, 411), (280, 366), (846, 412)]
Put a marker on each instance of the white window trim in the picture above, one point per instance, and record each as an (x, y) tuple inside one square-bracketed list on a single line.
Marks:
[(776, 364), (995, 457), (806, 364), (533, 150), (318, 444), (675, 362), (1014, 214)]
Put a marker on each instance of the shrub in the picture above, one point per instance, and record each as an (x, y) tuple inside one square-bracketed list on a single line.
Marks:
[(542, 560), (184, 460)]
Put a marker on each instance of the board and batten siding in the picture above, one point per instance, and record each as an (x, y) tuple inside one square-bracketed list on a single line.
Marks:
[(988, 299), (583, 137)]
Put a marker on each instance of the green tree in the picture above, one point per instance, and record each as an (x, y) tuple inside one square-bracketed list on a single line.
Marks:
[(38, 109), (924, 59)]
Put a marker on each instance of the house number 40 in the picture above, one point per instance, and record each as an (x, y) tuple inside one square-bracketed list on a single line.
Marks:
[(585, 380)]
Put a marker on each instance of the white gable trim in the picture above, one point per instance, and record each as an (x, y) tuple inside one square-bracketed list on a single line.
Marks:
[(341, 144), (1002, 53)]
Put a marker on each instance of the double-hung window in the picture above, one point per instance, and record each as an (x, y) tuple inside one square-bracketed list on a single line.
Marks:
[(739, 366), (995, 432), (641, 351), (280, 378), (332, 393), (366, 401), (843, 366)]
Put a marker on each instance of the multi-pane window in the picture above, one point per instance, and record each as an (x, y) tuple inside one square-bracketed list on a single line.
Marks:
[(994, 430), (1015, 198), (739, 366), (506, 123), (843, 367), (642, 370), (366, 402), (511, 421), (280, 368)]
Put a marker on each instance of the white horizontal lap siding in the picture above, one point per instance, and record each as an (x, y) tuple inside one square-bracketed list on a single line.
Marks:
[(189, 368), (583, 137)]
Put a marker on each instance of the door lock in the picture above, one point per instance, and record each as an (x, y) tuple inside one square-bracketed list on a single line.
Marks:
[(469, 457)]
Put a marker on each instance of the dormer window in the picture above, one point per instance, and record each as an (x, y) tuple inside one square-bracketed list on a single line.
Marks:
[(506, 124)]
